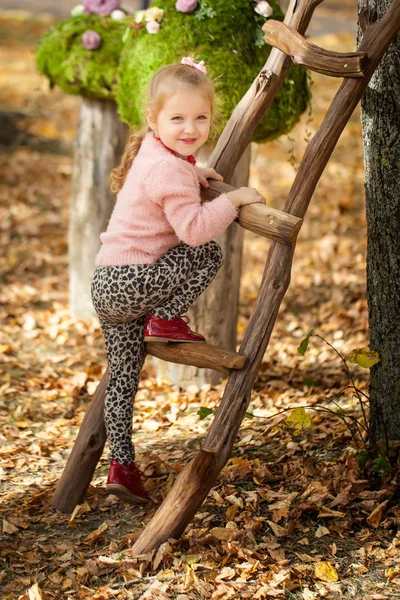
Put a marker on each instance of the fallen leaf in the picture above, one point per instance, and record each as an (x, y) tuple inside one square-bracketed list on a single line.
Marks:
[(95, 535), (79, 510), (375, 517), (9, 527), (325, 571), (221, 533), (35, 593), (321, 531)]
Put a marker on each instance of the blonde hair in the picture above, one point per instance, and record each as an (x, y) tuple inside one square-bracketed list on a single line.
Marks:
[(160, 87)]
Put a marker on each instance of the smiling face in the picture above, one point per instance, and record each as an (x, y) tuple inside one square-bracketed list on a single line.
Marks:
[(183, 122)]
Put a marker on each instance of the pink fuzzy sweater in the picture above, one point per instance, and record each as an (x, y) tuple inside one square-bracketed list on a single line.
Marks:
[(159, 206)]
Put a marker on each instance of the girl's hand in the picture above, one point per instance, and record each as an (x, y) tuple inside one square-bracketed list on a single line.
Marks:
[(245, 195), (204, 173)]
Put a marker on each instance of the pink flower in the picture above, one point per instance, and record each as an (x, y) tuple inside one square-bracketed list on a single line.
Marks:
[(186, 6), (101, 7), (264, 9), (153, 27), (91, 40)]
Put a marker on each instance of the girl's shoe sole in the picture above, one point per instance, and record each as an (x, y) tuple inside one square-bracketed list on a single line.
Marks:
[(160, 339), (124, 494)]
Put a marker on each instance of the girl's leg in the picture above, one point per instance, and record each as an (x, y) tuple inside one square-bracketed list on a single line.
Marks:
[(189, 271), (125, 354)]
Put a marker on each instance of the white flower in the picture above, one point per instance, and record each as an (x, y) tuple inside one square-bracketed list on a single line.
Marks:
[(153, 27), (153, 14), (139, 16), (264, 9), (118, 15), (77, 11)]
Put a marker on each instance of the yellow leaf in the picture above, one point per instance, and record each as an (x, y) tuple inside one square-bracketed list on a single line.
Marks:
[(364, 357), (325, 572), (298, 420), (5, 349)]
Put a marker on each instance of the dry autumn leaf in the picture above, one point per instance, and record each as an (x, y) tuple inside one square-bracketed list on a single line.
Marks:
[(95, 535), (375, 517), (9, 527), (79, 510), (325, 571), (35, 593), (221, 533)]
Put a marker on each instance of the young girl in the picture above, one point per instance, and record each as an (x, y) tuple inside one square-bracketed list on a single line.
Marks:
[(157, 255)]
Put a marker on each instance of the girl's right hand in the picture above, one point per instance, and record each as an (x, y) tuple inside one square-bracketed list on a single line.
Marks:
[(245, 195)]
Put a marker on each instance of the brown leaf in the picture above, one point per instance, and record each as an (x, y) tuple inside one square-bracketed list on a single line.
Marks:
[(221, 533), (9, 527), (277, 529), (95, 535), (375, 517), (326, 512)]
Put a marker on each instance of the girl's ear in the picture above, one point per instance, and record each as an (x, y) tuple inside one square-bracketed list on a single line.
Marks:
[(150, 120)]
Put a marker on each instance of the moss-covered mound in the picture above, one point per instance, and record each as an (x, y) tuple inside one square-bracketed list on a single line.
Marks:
[(62, 58), (228, 42)]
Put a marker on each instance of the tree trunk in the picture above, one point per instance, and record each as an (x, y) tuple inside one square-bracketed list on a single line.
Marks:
[(381, 126), (100, 143), (212, 315)]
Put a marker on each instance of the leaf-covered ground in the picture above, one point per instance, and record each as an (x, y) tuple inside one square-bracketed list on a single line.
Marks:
[(292, 514)]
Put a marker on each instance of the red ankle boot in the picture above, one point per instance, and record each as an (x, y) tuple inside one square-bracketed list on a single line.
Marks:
[(125, 481), (174, 330)]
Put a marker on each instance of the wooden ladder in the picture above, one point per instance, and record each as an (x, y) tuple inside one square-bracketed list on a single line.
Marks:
[(282, 227)]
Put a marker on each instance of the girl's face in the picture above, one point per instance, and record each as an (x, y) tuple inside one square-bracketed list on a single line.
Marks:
[(183, 123)]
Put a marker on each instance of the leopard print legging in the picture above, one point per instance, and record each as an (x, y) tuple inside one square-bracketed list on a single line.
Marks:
[(123, 296)]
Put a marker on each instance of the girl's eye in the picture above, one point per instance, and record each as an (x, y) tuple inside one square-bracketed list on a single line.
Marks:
[(202, 117), (176, 118)]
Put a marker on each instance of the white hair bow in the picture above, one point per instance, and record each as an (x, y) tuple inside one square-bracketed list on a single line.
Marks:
[(186, 60)]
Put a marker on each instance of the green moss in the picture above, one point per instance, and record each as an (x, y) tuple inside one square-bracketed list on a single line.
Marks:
[(228, 45), (91, 73)]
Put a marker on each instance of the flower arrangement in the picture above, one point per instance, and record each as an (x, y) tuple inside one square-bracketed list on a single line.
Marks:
[(112, 56)]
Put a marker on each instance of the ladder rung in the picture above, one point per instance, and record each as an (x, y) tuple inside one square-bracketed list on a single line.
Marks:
[(305, 54), (266, 221), (198, 355)]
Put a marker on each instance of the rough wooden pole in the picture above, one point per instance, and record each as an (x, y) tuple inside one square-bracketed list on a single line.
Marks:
[(194, 482), (100, 142)]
